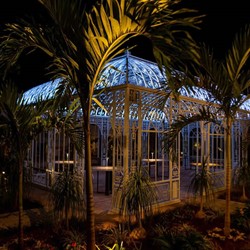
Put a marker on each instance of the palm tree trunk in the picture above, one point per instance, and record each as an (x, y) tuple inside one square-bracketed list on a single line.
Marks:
[(228, 168), (20, 200), (67, 211), (244, 197), (89, 183), (201, 201), (139, 217)]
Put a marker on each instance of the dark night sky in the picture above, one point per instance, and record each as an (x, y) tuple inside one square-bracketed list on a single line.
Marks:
[(223, 20)]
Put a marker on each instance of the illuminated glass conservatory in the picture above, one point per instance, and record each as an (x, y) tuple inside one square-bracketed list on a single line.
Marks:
[(128, 131)]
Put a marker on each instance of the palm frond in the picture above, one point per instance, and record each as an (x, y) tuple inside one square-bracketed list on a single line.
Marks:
[(67, 191), (239, 53), (227, 80), (204, 114), (21, 117)]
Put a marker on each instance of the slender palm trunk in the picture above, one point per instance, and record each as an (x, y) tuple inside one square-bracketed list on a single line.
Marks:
[(67, 204), (139, 216), (227, 221), (20, 198), (66, 216), (89, 183), (244, 197), (201, 202)]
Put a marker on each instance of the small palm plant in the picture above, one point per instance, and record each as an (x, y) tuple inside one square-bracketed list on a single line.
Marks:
[(138, 195), (201, 184), (67, 196), (242, 175), (182, 237)]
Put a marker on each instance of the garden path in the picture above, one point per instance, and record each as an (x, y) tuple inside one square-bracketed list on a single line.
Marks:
[(103, 211)]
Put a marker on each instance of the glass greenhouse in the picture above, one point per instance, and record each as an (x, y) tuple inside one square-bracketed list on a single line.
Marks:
[(127, 131)]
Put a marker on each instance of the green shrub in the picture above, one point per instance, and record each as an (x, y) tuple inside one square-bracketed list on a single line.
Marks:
[(116, 235), (137, 195), (180, 214), (241, 219), (67, 197), (74, 240), (182, 237)]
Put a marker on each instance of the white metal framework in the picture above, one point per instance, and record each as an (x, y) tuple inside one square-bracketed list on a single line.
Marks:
[(130, 132)]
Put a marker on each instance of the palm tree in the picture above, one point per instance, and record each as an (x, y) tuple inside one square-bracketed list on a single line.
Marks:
[(9, 172), (20, 120), (227, 81), (67, 190), (80, 42)]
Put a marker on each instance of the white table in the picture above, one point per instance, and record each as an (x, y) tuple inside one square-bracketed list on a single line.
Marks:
[(64, 163), (210, 164), (151, 162)]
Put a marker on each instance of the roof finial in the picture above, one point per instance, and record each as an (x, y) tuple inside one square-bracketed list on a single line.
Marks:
[(127, 53)]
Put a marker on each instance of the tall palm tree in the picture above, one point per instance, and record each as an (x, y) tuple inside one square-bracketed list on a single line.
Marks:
[(67, 190), (227, 82), (80, 42), (20, 120), (9, 172)]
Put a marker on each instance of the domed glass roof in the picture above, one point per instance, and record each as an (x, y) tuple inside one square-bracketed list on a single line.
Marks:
[(132, 70), (121, 70), (124, 69), (43, 91)]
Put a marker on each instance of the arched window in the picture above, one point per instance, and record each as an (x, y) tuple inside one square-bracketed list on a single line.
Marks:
[(195, 144), (217, 144), (152, 140), (64, 151), (110, 148), (95, 138)]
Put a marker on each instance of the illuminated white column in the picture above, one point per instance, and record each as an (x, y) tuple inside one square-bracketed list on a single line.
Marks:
[(126, 135), (139, 157)]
